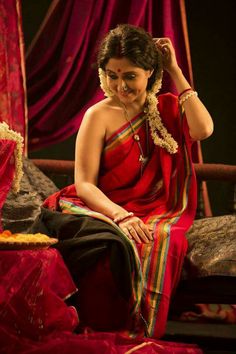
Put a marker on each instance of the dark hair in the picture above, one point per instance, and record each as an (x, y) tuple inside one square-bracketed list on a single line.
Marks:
[(131, 42)]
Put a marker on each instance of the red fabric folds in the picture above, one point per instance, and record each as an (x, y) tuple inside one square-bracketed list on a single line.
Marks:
[(33, 286), (60, 80), (12, 88), (35, 319), (94, 343)]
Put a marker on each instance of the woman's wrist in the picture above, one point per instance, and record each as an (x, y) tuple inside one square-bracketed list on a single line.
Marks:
[(123, 216), (181, 84), (174, 71), (184, 92), (179, 79)]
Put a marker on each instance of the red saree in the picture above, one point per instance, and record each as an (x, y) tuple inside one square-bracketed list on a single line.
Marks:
[(164, 197)]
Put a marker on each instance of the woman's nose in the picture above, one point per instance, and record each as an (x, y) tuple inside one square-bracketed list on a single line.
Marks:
[(122, 85)]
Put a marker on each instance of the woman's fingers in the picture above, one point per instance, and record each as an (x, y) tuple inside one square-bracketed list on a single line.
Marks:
[(163, 44), (147, 232), (163, 40), (144, 232), (165, 47), (134, 234), (131, 233), (135, 229), (126, 231)]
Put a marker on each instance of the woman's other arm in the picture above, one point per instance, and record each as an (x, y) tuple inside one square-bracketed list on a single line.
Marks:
[(199, 119), (89, 146)]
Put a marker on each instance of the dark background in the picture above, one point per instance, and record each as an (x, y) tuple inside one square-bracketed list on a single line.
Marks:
[(211, 27)]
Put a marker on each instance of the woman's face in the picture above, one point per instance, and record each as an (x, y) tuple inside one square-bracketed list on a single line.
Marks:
[(127, 81)]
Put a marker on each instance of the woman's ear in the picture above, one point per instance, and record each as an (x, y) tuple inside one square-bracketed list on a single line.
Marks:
[(150, 73)]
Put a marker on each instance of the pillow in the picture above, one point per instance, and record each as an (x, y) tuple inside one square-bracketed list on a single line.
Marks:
[(212, 247), (20, 210)]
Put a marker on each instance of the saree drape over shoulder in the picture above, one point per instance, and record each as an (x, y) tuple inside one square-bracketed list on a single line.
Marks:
[(163, 196)]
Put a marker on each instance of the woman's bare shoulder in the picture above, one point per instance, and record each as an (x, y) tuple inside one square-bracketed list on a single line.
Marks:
[(100, 108), (96, 118)]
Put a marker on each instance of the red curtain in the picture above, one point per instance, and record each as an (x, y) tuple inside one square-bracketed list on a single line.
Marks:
[(60, 79), (12, 84)]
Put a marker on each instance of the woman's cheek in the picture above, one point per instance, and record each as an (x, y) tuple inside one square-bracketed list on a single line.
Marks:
[(111, 85)]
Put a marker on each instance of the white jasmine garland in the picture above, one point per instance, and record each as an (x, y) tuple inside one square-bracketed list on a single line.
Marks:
[(159, 133), (103, 83), (8, 134)]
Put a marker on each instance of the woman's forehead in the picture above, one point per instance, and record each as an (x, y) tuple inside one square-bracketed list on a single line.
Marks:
[(120, 65)]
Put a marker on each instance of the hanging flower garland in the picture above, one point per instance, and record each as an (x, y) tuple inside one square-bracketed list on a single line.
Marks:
[(8, 134)]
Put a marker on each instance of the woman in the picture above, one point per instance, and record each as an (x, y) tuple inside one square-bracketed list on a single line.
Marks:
[(134, 184)]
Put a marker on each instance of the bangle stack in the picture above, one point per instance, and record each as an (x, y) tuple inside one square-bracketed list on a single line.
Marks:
[(184, 91), (123, 217), (185, 95)]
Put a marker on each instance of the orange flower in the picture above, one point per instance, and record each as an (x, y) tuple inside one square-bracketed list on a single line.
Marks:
[(6, 233)]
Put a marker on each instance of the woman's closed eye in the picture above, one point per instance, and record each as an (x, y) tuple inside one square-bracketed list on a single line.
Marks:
[(126, 77), (130, 77), (112, 76)]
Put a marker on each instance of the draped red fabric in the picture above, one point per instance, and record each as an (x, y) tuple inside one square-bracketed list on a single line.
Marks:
[(61, 81), (35, 319), (33, 286), (12, 88)]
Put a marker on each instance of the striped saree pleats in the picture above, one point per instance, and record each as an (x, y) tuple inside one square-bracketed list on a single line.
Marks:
[(167, 251)]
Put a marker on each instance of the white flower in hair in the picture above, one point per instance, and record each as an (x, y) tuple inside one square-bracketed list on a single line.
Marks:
[(103, 83)]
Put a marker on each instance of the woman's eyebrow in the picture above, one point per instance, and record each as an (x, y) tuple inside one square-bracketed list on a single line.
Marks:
[(110, 71)]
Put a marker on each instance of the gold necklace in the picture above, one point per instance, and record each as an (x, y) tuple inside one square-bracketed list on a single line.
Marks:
[(142, 158)]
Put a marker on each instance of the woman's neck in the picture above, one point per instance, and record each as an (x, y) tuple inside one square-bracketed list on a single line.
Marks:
[(134, 107)]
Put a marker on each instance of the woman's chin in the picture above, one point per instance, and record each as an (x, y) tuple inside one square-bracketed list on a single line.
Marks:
[(126, 97)]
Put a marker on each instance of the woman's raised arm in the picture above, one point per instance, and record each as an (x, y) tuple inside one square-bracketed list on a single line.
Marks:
[(199, 119)]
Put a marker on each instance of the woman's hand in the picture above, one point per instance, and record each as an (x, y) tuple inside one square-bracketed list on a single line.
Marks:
[(135, 229), (168, 54)]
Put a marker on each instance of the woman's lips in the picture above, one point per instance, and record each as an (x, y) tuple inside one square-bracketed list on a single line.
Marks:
[(125, 93)]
